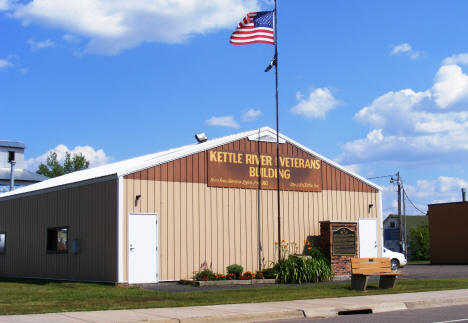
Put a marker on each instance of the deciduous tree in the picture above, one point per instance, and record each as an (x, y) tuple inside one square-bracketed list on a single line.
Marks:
[(71, 164), (419, 242)]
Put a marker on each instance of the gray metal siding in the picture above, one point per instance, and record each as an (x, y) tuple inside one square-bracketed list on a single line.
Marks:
[(90, 212)]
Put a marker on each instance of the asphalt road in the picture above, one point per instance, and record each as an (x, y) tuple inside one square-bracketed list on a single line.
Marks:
[(432, 315), (435, 271)]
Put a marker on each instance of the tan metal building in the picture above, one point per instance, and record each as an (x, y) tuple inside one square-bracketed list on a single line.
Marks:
[(160, 217)]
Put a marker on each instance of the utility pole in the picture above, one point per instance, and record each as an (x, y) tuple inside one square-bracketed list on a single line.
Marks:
[(405, 250), (399, 210), (398, 181), (399, 197)]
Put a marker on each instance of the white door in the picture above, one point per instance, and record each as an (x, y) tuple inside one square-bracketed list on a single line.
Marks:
[(143, 248), (367, 238)]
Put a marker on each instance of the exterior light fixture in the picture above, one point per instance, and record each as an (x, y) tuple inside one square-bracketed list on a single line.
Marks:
[(137, 198), (201, 137)]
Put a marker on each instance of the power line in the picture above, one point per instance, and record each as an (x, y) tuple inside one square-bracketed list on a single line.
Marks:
[(404, 192), (380, 177)]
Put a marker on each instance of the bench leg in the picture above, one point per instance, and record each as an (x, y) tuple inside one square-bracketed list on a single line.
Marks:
[(387, 281), (359, 282)]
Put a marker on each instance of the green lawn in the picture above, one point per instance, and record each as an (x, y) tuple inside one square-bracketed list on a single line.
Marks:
[(419, 262), (28, 296)]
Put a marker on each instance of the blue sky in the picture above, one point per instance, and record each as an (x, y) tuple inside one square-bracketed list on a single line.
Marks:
[(376, 86)]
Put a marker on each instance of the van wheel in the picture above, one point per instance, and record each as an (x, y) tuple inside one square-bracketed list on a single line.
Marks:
[(395, 264)]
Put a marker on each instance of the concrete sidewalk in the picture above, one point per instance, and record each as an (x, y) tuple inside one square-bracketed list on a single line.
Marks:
[(325, 307)]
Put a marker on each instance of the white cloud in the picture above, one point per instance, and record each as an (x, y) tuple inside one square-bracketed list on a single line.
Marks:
[(36, 45), (390, 111), (227, 121), (4, 5), (440, 190), (71, 38), (451, 85), (6, 62), (408, 126), (251, 115), (353, 167), (443, 188), (95, 157), (461, 59), (316, 105), (406, 49), (402, 48), (112, 26)]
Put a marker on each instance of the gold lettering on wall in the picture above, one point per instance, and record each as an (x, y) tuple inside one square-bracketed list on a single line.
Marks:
[(251, 170)]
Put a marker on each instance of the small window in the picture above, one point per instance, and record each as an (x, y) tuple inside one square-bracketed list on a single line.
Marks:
[(57, 240), (392, 224), (2, 243)]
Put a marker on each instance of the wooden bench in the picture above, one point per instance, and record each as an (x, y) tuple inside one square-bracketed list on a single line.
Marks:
[(362, 268)]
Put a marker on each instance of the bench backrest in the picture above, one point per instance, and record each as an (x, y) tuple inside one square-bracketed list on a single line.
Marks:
[(369, 266)]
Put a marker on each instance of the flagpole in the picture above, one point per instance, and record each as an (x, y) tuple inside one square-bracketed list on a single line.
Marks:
[(277, 135)]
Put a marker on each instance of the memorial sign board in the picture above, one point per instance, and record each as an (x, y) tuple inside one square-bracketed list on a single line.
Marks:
[(344, 242)]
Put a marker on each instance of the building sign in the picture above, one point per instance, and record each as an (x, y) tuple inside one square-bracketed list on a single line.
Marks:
[(344, 242), (253, 170)]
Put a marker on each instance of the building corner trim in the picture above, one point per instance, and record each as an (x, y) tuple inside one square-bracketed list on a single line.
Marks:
[(380, 217), (120, 229)]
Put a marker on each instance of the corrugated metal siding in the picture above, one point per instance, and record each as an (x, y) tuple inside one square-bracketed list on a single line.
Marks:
[(219, 225), (90, 212), (193, 168)]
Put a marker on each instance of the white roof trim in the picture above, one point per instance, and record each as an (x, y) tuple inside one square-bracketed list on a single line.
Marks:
[(266, 135), (133, 165)]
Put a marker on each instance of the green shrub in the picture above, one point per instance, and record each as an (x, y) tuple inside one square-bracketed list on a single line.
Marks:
[(205, 274), (237, 270), (269, 273), (313, 252), (419, 242), (305, 269)]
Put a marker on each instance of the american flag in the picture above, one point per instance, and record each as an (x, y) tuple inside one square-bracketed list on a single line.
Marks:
[(256, 27)]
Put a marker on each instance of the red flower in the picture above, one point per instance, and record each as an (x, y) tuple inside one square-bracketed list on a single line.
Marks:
[(205, 278)]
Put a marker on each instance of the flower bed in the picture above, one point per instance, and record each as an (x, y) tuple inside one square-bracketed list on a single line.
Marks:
[(202, 283), (207, 275), (234, 272)]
